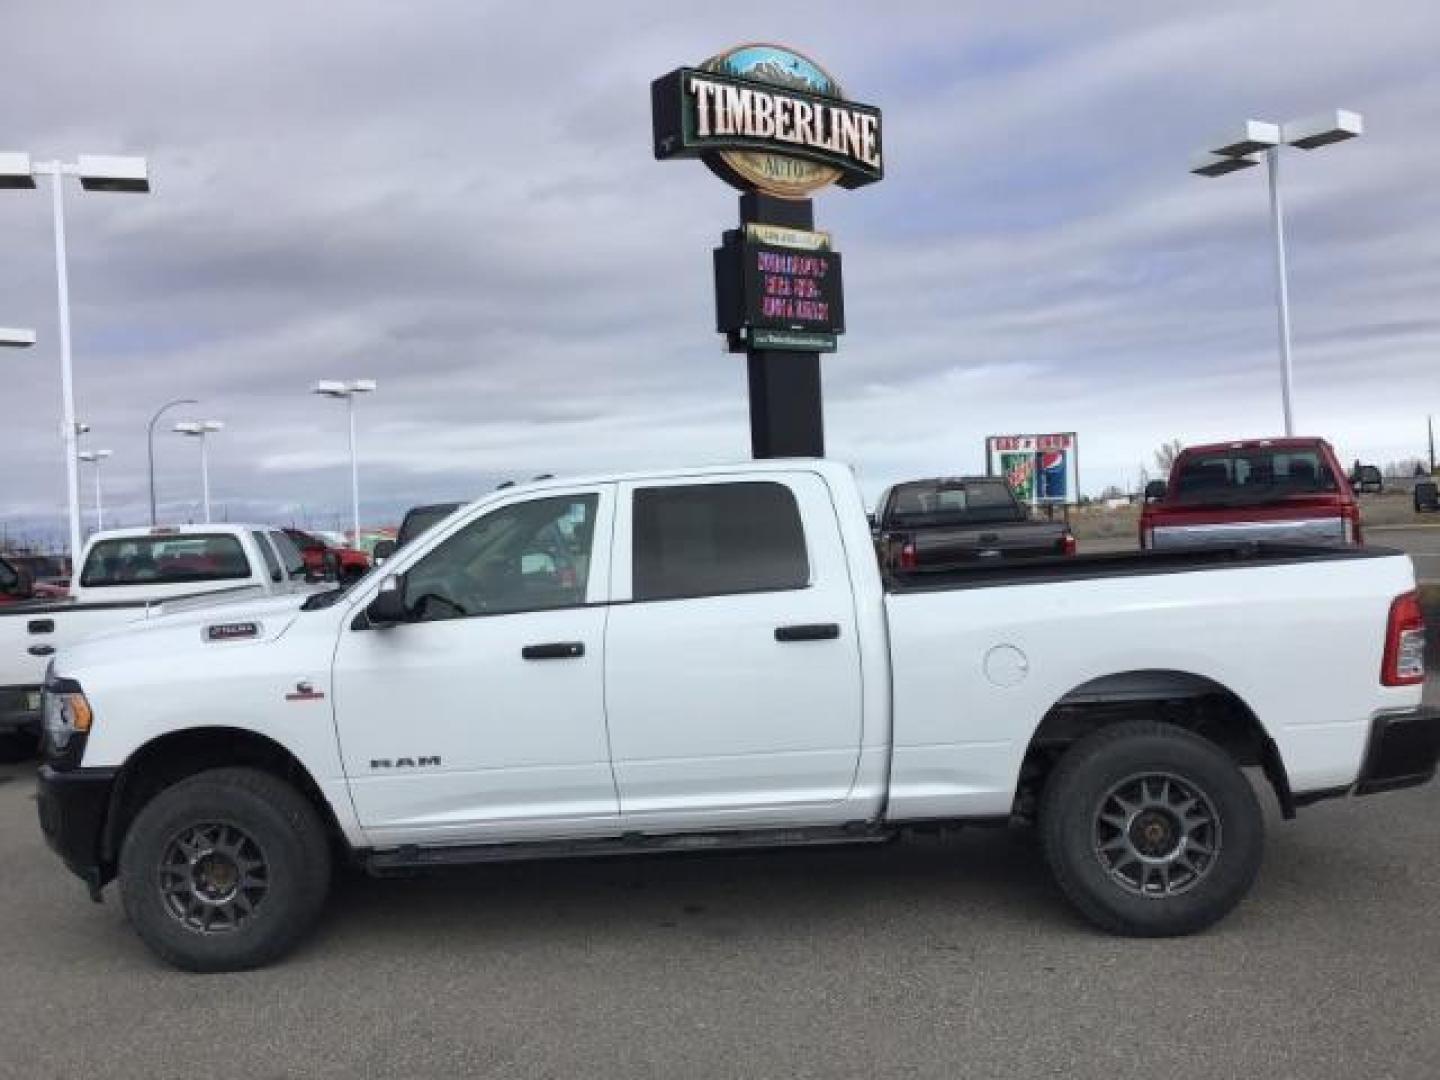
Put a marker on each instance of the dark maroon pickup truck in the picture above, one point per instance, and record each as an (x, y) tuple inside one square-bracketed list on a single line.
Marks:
[(944, 523)]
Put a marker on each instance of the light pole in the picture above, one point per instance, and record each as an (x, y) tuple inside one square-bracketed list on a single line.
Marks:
[(150, 444), (333, 388), (96, 173), (199, 429), (1240, 153), (96, 457)]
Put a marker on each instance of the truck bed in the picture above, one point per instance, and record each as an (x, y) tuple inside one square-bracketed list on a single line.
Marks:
[(989, 573)]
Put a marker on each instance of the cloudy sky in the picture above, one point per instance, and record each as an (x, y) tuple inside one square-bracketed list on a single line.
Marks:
[(458, 199)]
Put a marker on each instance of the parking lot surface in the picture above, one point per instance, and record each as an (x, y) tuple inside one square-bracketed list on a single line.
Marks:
[(924, 958)]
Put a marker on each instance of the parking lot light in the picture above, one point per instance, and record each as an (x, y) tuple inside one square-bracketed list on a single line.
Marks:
[(1316, 131), (336, 388), (150, 444), (15, 338), (1237, 151), (96, 458), (96, 172), (1211, 164), (200, 429), (1254, 136)]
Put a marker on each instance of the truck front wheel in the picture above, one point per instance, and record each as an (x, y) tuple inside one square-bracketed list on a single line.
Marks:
[(225, 870), (1151, 830)]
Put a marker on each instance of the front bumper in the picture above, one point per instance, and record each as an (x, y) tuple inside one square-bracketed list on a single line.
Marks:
[(1403, 750), (73, 806)]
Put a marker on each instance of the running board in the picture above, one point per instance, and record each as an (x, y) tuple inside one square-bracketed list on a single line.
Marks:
[(412, 857)]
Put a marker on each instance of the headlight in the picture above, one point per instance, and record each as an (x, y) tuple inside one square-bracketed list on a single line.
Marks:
[(66, 713)]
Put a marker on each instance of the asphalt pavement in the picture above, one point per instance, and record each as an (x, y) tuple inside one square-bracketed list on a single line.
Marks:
[(1421, 542), (920, 959)]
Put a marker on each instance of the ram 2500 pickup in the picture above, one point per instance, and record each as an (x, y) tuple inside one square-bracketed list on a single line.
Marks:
[(712, 658), (128, 575)]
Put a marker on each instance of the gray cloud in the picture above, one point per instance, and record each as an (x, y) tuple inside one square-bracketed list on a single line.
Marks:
[(458, 200)]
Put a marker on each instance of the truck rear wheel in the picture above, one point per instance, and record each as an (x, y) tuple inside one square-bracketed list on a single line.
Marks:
[(224, 871), (1151, 830)]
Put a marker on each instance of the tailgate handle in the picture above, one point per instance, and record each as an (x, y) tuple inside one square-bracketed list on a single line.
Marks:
[(828, 631), (554, 650), (41, 626), (41, 650)]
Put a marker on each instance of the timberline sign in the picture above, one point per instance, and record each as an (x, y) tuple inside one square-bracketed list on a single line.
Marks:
[(769, 119)]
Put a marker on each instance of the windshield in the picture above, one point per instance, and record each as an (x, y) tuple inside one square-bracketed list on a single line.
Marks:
[(165, 560), (952, 502), (1252, 475)]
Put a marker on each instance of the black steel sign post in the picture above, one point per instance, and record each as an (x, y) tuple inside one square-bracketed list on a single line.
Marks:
[(774, 124)]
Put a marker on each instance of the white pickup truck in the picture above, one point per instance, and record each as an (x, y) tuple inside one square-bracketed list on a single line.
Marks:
[(131, 574), (711, 658)]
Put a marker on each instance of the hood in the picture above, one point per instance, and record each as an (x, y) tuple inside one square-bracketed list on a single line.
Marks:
[(196, 631)]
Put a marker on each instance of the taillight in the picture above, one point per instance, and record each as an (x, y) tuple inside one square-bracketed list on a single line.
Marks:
[(908, 559), (1067, 546), (1404, 663), (1350, 517)]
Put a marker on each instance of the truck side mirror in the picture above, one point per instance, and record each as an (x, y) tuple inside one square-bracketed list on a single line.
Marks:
[(1156, 490), (388, 607), (383, 550)]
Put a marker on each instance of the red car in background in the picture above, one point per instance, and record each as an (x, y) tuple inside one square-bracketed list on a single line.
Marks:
[(1291, 490), (15, 584), (46, 577), (349, 563)]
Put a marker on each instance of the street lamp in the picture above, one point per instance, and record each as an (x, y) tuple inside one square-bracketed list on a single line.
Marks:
[(333, 388), (198, 429), (15, 338), (1238, 152), (95, 173), (150, 444), (96, 457)]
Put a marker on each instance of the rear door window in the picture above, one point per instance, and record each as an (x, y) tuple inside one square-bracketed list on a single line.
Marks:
[(716, 539)]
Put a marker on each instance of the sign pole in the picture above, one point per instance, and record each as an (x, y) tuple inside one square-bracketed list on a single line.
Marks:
[(786, 414), (773, 123)]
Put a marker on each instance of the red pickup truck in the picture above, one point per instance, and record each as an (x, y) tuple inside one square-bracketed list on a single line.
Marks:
[(15, 583), (349, 563), (1275, 490)]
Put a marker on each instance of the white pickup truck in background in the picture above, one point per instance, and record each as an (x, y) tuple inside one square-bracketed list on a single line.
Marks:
[(712, 658), (131, 574)]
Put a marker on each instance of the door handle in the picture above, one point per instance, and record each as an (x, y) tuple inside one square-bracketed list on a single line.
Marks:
[(808, 632), (40, 626), (554, 650), (40, 650)]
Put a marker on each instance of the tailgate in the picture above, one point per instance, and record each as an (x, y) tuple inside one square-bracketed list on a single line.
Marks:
[(1284, 530), (938, 547)]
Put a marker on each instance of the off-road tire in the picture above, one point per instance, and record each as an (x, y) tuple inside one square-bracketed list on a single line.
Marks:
[(277, 821), (1073, 805)]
